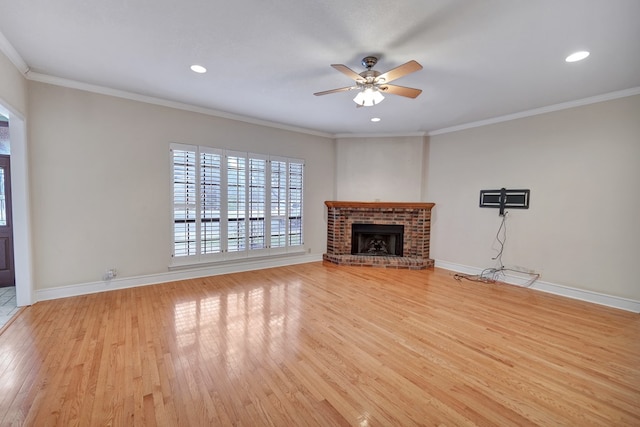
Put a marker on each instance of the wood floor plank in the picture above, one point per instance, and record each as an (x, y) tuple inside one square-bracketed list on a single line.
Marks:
[(318, 344)]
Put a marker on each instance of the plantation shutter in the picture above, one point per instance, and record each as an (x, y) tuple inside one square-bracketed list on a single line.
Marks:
[(229, 204), (257, 202), (185, 201), (210, 201), (236, 201), (294, 197), (278, 203)]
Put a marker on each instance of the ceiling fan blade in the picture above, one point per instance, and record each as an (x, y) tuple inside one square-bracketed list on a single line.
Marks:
[(348, 72), (342, 89), (409, 92), (399, 71)]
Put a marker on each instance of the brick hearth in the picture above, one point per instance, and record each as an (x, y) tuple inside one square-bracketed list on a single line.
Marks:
[(416, 218)]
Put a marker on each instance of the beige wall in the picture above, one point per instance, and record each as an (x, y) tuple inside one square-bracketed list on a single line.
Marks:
[(100, 194), (100, 180), (582, 166), (13, 87), (385, 168)]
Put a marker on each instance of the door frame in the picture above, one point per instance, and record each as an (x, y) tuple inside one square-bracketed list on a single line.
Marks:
[(21, 210)]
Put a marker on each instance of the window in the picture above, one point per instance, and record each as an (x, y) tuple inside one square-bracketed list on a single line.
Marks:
[(229, 204)]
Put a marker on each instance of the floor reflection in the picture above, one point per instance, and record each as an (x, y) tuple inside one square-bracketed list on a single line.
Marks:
[(238, 326)]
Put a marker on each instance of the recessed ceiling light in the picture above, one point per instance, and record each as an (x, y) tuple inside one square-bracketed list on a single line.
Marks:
[(577, 56), (375, 119), (198, 69)]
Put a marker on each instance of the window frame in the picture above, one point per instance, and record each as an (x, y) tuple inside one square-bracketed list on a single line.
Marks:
[(248, 186)]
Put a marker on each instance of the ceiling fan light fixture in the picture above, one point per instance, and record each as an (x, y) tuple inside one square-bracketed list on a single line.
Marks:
[(368, 97)]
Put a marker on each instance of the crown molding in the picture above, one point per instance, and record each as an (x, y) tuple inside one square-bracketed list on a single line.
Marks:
[(13, 55), (378, 135), (542, 110), (58, 81), (9, 51), (73, 84)]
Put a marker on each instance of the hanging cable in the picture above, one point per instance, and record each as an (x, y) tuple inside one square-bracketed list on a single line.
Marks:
[(503, 228), (492, 275), (488, 275)]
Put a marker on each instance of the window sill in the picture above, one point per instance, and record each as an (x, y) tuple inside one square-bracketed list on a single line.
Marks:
[(193, 264)]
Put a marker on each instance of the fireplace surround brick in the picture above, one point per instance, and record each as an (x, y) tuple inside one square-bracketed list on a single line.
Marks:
[(416, 218)]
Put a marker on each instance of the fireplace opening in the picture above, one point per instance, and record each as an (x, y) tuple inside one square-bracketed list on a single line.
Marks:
[(377, 239)]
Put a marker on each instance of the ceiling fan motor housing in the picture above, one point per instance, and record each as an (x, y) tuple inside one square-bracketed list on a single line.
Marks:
[(369, 62)]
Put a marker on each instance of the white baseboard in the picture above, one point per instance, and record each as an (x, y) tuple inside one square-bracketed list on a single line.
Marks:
[(552, 288), (257, 264), (170, 276)]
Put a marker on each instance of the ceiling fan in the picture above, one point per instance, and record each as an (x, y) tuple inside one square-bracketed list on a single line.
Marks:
[(372, 83)]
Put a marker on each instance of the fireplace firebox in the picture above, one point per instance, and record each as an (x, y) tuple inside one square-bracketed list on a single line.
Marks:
[(377, 239)]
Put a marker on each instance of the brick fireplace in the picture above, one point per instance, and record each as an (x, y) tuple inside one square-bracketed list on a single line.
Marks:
[(415, 217)]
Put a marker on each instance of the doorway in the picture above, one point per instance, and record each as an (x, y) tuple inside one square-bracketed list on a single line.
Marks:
[(8, 303), (20, 209), (7, 272)]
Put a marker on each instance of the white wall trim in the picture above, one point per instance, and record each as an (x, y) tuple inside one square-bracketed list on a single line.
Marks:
[(537, 111), (21, 207), (23, 67), (73, 84), (170, 276), (379, 135), (552, 288), (13, 55)]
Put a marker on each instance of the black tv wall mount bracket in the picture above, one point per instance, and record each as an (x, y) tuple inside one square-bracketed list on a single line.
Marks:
[(503, 198)]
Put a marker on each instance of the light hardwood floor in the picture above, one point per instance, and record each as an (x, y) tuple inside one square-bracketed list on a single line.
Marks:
[(318, 344)]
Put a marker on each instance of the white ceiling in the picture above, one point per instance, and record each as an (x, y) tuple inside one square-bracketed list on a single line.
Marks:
[(481, 59)]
